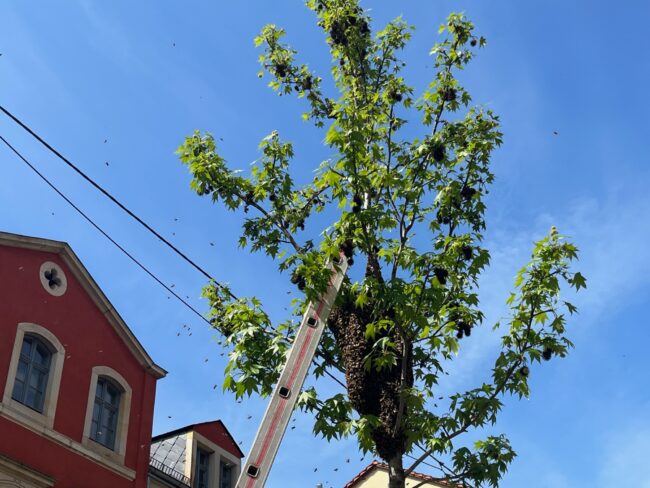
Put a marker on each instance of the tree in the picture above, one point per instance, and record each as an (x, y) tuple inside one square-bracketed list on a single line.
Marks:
[(396, 328)]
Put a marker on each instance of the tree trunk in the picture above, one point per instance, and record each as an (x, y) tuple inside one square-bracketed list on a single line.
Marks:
[(396, 472)]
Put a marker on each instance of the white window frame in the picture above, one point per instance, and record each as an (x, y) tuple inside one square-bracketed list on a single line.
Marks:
[(196, 441), (124, 414), (15, 408)]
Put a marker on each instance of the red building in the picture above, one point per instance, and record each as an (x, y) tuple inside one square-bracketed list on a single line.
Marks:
[(76, 387)]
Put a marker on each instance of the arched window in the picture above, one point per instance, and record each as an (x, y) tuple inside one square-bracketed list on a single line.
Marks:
[(106, 426), (30, 385), (106, 411), (34, 376)]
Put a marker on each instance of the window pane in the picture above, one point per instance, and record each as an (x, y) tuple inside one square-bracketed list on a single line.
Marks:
[(94, 428), (112, 395), (109, 419), (26, 350), (19, 391), (226, 476), (96, 412), (99, 392), (42, 356), (21, 372), (105, 413), (37, 380), (202, 468), (30, 397), (39, 399), (32, 373), (110, 439)]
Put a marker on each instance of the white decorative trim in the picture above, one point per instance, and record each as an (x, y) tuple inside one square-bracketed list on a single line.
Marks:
[(62, 287), (196, 441), (122, 420), (86, 281), (53, 381), (66, 442), (22, 473)]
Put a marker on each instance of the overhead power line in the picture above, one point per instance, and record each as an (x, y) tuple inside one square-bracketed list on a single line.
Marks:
[(102, 231), (126, 253), (113, 199)]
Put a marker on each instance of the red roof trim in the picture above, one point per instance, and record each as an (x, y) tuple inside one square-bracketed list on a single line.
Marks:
[(192, 427), (383, 466)]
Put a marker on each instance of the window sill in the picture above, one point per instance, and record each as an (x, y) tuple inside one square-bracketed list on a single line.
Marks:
[(18, 409), (29, 422), (103, 451)]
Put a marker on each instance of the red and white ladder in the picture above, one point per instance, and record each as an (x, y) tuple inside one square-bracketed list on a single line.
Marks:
[(283, 400)]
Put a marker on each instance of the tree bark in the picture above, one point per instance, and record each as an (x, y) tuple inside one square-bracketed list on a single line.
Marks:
[(396, 472)]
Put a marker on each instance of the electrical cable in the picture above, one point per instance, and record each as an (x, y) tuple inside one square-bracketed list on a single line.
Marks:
[(130, 213), (102, 231), (115, 200)]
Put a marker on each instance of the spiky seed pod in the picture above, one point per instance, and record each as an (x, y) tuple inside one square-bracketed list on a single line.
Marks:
[(302, 284), (442, 217), (468, 192), (348, 248), (441, 275), (281, 70), (438, 152), (467, 252), (524, 371), (547, 353), (467, 328), (473, 42), (394, 96), (356, 203), (307, 83)]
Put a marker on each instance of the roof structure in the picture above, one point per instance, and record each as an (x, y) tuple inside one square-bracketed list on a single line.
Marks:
[(169, 451), (82, 275), (227, 440), (376, 465), (167, 458)]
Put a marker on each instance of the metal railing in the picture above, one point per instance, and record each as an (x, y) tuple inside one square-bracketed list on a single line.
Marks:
[(169, 471)]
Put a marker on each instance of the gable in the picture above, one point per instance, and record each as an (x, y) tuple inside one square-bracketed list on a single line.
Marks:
[(21, 258), (216, 432)]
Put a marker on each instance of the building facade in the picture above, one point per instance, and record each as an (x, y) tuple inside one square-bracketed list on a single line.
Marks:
[(375, 475), (198, 456), (76, 387)]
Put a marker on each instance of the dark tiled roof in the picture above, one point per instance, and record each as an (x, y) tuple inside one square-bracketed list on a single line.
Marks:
[(183, 430), (168, 455)]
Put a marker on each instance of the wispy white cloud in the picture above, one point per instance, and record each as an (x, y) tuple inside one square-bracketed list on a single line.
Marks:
[(612, 234), (625, 454)]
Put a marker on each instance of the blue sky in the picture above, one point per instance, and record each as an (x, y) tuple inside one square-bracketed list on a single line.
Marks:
[(142, 75)]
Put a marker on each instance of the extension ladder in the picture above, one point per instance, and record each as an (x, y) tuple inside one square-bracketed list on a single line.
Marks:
[(283, 400)]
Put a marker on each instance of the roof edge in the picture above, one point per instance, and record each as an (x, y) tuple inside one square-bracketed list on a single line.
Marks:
[(383, 466), (191, 427), (91, 287)]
